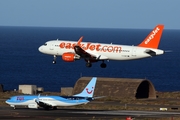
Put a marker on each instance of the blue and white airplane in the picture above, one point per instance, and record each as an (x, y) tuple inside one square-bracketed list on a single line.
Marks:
[(48, 102)]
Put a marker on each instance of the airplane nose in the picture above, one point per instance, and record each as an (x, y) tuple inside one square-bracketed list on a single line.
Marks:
[(7, 101), (40, 49)]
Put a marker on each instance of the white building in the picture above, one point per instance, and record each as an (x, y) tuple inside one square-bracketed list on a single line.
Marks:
[(28, 89)]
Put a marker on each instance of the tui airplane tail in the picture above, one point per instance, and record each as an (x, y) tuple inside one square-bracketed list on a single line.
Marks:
[(89, 89)]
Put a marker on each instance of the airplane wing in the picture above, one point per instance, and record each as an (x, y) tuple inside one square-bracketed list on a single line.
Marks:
[(87, 53), (99, 97), (97, 56), (43, 104)]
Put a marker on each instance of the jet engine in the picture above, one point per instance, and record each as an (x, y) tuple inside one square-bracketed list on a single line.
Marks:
[(70, 57)]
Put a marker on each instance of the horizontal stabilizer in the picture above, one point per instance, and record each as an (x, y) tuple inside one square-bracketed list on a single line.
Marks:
[(150, 52), (98, 97)]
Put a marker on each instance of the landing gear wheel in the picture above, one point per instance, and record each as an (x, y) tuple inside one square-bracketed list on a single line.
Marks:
[(103, 65), (54, 60), (88, 64)]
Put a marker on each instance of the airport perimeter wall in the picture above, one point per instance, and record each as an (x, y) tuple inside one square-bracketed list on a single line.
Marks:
[(119, 87)]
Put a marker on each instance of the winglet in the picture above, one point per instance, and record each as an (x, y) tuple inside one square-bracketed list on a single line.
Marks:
[(80, 40), (89, 89), (153, 39), (37, 100)]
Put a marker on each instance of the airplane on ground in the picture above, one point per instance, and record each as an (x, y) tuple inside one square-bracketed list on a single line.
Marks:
[(52, 102), (94, 52)]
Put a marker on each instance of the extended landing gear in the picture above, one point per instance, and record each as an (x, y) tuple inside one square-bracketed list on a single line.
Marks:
[(103, 65), (54, 60), (88, 64)]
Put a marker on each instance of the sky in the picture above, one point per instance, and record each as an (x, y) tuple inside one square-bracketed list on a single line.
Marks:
[(136, 14)]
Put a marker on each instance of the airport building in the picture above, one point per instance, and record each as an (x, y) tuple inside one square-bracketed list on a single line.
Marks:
[(119, 87)]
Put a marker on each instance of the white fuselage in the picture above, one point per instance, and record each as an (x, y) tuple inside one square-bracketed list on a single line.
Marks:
[(106, 51), (52, 100)]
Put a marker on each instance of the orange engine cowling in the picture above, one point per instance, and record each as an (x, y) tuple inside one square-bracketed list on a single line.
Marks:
[(69, 57)]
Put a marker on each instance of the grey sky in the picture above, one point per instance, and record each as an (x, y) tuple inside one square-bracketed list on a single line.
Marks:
[(91, 13)]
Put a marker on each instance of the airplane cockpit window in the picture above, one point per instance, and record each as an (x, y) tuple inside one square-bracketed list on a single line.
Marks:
[(45, 44)]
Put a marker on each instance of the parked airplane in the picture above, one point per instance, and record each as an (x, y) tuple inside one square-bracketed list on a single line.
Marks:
[(47, 102), (94, 52)]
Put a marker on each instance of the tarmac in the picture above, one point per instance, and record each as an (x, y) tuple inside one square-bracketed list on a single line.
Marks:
[(22, 113)]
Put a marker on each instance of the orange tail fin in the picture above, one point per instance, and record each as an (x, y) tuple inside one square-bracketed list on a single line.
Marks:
[(153, 39)]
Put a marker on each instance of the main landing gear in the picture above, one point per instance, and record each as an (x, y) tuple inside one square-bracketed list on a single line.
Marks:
[(103, 65), (54, 60), (89, 64)]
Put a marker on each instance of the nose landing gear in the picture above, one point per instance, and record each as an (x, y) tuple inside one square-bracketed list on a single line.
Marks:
[(54, 60), (88, 64)]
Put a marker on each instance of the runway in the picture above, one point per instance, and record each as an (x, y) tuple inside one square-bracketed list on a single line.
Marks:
[(80, 114)]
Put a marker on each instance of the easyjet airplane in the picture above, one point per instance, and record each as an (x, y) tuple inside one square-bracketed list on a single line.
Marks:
[(94, 52)]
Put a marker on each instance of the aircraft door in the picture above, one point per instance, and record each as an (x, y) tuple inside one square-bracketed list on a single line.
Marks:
[(52, 46), (134, 52), (77, 100)]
